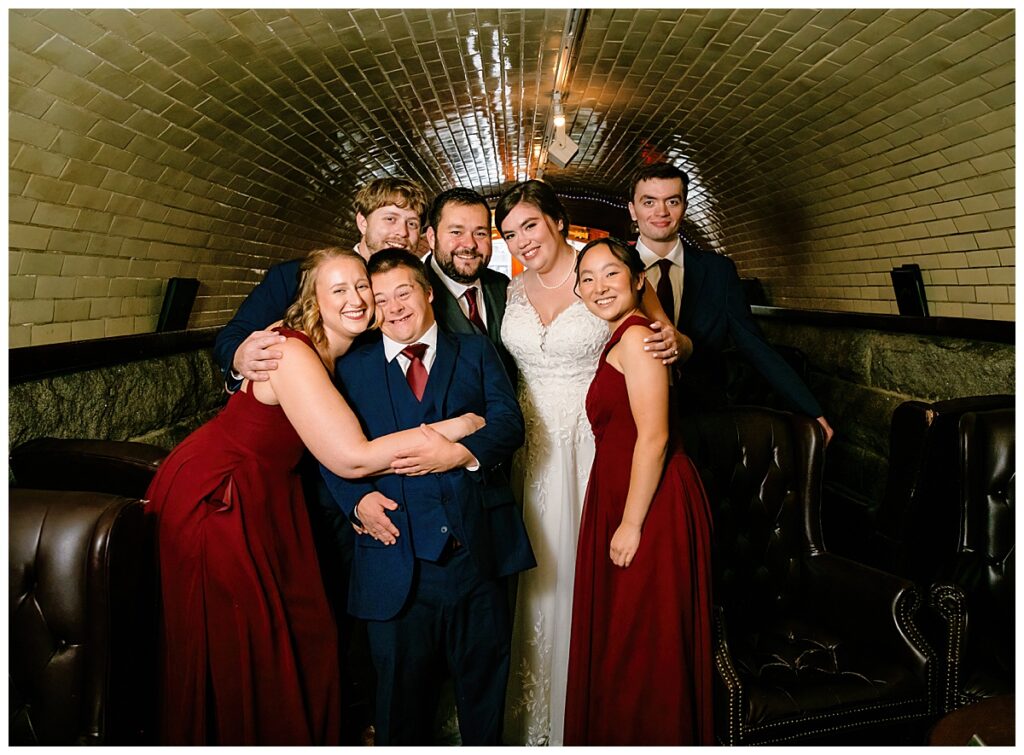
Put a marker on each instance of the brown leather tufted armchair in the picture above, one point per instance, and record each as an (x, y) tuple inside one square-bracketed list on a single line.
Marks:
[(82, 638), (975, 591), (809, 646), (922, 509)]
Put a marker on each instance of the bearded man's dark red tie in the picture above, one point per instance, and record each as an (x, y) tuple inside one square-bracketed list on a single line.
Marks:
[(474, 311)]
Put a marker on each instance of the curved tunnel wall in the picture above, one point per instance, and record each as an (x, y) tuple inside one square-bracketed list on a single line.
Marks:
[(825, 146)]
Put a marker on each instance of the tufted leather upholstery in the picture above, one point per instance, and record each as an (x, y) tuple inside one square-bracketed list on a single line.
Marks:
[(920, 514), (104, 466), (808, 643), (82, 640), (975, 592)]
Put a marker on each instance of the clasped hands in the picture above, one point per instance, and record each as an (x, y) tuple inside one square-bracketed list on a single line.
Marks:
[(435, 453)]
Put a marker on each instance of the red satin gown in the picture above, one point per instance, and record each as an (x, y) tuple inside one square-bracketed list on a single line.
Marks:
[(249, 646), (640, 653)]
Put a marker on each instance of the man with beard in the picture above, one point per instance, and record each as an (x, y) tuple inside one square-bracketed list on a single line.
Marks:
[(469, 297), (388, 212)]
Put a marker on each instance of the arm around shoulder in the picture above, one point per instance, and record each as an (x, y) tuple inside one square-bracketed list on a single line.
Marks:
[(265, 304)]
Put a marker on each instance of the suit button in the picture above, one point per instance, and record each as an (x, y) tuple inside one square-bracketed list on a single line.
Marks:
[(444, 530)]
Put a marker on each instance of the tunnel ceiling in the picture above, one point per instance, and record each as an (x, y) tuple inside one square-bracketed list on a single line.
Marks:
[(283, 114), (293, 106)]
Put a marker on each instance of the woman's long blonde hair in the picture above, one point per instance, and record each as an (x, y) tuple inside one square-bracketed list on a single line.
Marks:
[(304, 313)]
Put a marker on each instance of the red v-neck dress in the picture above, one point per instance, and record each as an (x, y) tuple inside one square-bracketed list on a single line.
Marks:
[(640, 654), (248, 643)]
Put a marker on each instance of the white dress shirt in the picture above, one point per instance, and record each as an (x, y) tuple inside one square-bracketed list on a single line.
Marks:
[(393, 349), (676, 274), (458, 290)]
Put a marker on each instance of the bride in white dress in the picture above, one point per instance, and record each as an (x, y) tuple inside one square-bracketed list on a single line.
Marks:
[(556, 343)]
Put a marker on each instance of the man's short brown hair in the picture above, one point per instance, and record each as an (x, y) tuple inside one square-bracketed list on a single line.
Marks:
[(658, 170), (387, 260), (400, 192)]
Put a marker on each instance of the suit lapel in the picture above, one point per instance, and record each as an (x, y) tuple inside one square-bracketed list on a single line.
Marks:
[(693, 278), (442, 371), (494, 300), (447, 311), (380, 372)]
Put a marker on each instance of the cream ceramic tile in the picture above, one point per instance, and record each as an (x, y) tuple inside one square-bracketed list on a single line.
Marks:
[(104, 307), (979, 311), (21, 287), (31, 311), (1002, 275), (118, 326), (70, 310), (230, 137), (53, 333), (84, 330), (947, 309)]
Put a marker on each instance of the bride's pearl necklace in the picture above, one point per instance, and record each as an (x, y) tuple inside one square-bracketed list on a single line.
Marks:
[(557, 285)]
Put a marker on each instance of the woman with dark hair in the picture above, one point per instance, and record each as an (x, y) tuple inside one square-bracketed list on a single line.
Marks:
[(640, 653), (556, 343), (248, 645)]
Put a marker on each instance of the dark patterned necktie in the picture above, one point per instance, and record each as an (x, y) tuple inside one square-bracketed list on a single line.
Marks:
[(417, 372), (664, 290), (474, 311)]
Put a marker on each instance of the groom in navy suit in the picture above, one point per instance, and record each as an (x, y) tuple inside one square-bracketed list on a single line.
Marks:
[(430, 555)]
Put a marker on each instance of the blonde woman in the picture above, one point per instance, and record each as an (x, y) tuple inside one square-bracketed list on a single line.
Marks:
[(248, 643)]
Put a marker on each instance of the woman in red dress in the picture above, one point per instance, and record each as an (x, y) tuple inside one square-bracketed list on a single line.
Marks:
[(640, 648), (248, 644)]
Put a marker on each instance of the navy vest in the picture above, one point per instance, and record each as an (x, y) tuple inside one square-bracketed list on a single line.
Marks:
[(424, 495)]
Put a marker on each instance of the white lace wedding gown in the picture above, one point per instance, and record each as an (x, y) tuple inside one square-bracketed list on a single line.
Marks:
[(556, 364)]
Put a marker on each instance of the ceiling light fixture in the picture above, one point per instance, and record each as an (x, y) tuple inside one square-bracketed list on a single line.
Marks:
[(557, 146), (558, 116)]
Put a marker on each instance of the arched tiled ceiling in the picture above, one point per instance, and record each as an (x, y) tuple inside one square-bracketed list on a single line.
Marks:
[(215, 142)]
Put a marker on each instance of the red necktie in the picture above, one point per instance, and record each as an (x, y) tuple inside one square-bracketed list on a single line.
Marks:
[(664, 290), (417, 372), (474, 312)]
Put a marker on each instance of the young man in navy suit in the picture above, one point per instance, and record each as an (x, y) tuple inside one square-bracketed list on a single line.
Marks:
[(701, 292), (430, 555)]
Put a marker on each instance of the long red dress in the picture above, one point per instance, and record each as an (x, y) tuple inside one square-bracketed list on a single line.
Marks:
[(249, 645), (640, 653)]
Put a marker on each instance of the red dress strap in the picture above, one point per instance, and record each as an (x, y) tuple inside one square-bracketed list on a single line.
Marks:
[(289, 333), (625, 325)]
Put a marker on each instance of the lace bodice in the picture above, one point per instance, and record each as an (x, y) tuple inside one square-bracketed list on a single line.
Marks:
[(557, 361)]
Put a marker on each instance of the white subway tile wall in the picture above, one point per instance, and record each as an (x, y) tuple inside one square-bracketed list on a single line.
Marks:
[(825, 146)]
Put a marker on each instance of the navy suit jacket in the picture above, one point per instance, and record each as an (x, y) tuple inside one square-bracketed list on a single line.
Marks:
[(466, 377), (715, 314), (268, 301)]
